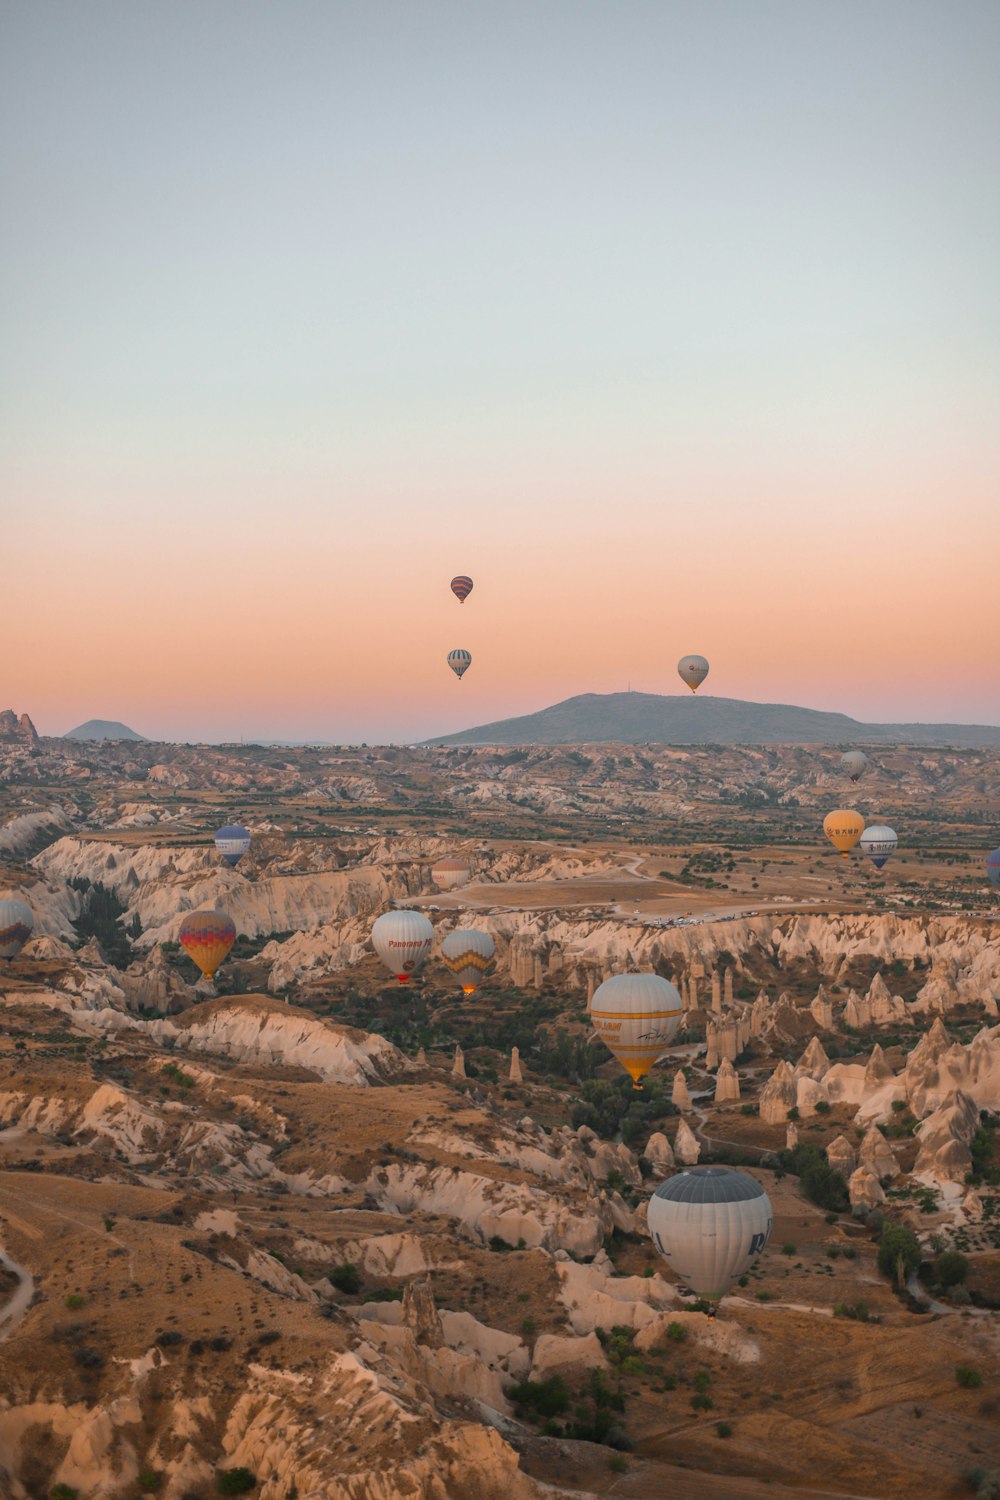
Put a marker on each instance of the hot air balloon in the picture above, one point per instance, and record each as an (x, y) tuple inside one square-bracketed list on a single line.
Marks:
[(450, 874), (468, 954), (636, 1016), (855, 763), (993, 868), (460, 661), (843, 828), (693, 670), (207, 936), (16, 926), (461, 587), (232, 842), (709, 1224), (402, 939), (879, 843)]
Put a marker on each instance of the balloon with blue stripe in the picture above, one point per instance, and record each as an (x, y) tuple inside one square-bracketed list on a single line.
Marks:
[(232, 842)]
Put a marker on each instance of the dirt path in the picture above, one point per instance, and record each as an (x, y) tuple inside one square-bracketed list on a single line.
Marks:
[(17, 1305)]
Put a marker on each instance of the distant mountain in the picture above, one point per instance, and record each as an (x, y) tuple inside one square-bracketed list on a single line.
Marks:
[(648, 718), (103, 729)]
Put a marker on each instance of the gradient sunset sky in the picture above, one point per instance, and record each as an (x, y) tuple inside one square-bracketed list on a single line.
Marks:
[(676, 324)]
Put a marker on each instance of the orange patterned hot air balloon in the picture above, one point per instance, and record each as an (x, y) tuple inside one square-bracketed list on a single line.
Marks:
[(206, 937)]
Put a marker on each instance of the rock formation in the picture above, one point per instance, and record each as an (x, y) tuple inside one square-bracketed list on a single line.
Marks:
[(727, 1083), (516, 1076), (778, 1095), (686, 1147), (679, 1095), (841, 1156)]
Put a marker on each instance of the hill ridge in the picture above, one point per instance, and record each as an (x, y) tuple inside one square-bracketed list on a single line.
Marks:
[(652, 718), (102, 729)]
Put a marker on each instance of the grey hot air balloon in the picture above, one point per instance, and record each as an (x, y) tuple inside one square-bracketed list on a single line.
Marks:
[(460, 661), (855, 763), (709, 1224), (16, 926), (693, 670), (402, 939)]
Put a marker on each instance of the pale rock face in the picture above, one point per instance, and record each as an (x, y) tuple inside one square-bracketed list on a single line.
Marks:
[(935, 1069), (877, 1155), (814, 1061), (250, 1033), (945, 1137), (679, 1095), (458, 1063), (554, 1354), (686, 1147), (865, 1190), (791, 1136), (821, 1010), (778, 1095), (809, 1093), (596, 1298), (877, 1069), (885, 1007), (840, 1154), (516, 1075), (711, 1048), (727, 1083), (972, 1206), (659, 1152), (857, 1012)]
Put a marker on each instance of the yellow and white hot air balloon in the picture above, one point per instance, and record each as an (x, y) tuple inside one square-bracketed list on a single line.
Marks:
[(449, 874), (402, 939), (693, 670), (843, 828), (468, 954), (636, 1016)]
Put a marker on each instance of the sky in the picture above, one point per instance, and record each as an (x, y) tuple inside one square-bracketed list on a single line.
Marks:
[(675, 324)]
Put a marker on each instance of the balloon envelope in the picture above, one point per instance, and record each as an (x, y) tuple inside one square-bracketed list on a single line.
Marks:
[(468, 954), (993, 868), (461, 587), (402, 940), (709, 1224), (16, 926), (843, 828), (460, 661), (693, 670), (636, 1016), (450, 874), (855, 763), (232, 842), (207, 936), (879, 843)]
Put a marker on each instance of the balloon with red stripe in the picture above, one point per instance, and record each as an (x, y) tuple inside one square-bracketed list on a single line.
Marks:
[(206, 937), (461, 587)]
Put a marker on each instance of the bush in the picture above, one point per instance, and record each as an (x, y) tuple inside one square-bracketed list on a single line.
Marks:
[(701, 1402), (820, 1183), (234, 1481), (788, 1249), (823, 1107), (898, 1253), (952, 1267), (723, 1429), (149, 1481), (969, 1376), (346, 1279), (528, 1327), (617, 1464), (74, 1300), (677, 1333), (62, 1492), (546, 1398)]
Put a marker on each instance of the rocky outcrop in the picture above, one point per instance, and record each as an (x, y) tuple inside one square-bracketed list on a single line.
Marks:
[(865, 1190), (877, 1155), (840, 1154), (686, 1146), (945, 1138), (778, 1095), (679, 1095), (727, 1083), (16, 730)]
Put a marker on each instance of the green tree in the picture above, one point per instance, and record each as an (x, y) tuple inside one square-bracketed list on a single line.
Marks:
[(898, 1252)]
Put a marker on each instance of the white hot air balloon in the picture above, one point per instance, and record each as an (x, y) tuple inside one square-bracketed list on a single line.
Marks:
[(232, 842), (402, 939), (636, 1016), (16, 926), (468, 954), (855, 763), (449, 874), (709, 1224), (693, 670), (879, 843)]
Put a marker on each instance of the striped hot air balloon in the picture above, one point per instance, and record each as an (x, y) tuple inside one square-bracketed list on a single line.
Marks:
[(636, 1016), (461, 587), (460, 661), (448, 874), (16, 926), (206, 937), (468, 954), (232, 842)]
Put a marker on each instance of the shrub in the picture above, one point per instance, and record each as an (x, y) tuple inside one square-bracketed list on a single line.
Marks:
[(898, 1253), (62, 1492), (546, 1398), (952, 1267), (677, 1333), (822, 1107), (723, 1429), (74, 1300), (617, 1464), (149, 1481), (528, 1327), (234, 1481), (788, 1249), (346, 1278), (701, 1402), (702, 1380), (969, 1376)]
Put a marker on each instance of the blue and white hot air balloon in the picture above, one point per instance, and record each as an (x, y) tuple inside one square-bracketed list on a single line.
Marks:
[(460, 661), (879, 843), (232, 842)]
